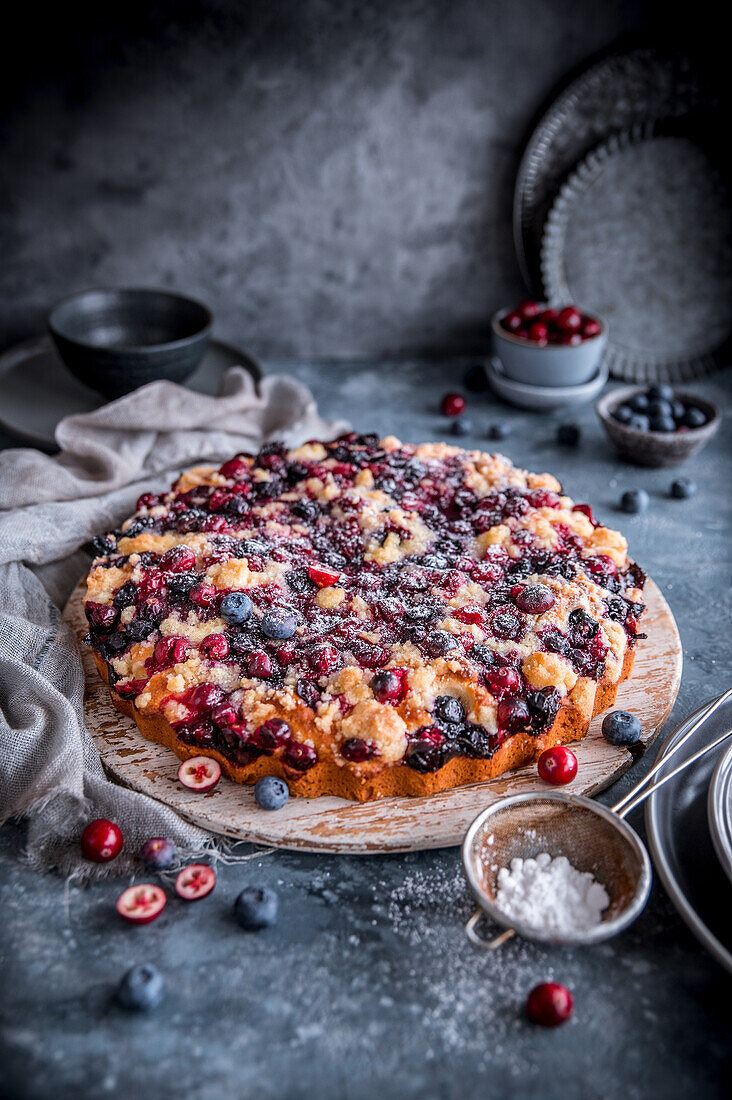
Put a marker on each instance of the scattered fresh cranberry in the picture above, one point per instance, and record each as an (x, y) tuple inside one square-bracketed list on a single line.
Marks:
[(195, 882), (157, 853), (141, 904), (452, 404), (322, 575), (549, 1004), (557, 765), (199, 773), (101, 840)]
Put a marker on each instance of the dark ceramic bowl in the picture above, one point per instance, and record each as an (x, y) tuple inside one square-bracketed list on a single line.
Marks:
[(116, 340), (655, 448)]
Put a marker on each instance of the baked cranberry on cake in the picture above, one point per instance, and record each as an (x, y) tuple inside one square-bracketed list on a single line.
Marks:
[(363, 617)]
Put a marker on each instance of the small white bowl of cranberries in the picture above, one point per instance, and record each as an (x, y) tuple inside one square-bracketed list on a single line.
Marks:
[(542, 345)]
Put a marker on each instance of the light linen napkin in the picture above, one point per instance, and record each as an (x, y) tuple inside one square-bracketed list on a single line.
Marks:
[(50, 770)]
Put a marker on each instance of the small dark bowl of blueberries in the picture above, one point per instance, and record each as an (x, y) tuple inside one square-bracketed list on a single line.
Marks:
[(656, 425)]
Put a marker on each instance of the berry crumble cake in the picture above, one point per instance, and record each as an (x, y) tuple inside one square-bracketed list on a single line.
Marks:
[(363, 617)]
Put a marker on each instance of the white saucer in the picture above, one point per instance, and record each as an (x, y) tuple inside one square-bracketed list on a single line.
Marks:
[(543, 397), (38, 391)]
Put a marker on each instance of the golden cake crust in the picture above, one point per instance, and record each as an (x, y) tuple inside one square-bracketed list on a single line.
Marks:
[(403, 570)]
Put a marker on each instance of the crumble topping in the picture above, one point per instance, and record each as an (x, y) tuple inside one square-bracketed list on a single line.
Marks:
[(366, 601)]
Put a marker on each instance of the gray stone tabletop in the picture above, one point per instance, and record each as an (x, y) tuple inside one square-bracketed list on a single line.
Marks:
[(367, 985)]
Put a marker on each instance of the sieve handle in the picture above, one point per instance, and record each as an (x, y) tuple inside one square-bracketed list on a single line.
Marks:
[(637, 794), (471, 931)]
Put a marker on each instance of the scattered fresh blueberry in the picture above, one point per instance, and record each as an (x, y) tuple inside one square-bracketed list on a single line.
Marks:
[(639, 423), (639, 403), (236, 607), (141, 989), (157, 853), (568, 435), (634, 501), (278, 625), (256, 907), (499, 430), (623, 414), (462, 426), (621, 728), (683, 488), (694, 418), (476, 379), (271, 793)]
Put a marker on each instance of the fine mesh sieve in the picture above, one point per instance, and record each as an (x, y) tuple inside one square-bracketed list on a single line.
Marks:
[(593, 837)]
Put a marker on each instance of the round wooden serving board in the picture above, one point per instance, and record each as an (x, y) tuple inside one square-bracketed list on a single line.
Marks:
[(389, 825)]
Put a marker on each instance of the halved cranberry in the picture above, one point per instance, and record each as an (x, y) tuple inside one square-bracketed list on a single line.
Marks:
[(299, 756), (549, 1004), (147, 500), (271, 735), (101, 840), (199, 773), (389, 686), (356, 750), (141, 904), (195, 882), (102, 616), (203, 595), (234, 468), (557, 765), (179, 559), (502, 681), (171, 650), (259, 664), (322, 575), (535, 599), (216, 646), (513, 715), (323, 659)]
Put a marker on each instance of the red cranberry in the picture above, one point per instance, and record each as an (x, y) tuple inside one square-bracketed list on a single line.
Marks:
[(216, 646), (224, 714), (216, 524), (569, 319), (389, 686), (285, 653), (235, 467), (101, 615), (259, 664), (141, 904), (299, 756), (535, 599), (131, 689), (528, 309), (323, 659), (543, 498), (502, 681), (199, 773), (322, 575), (219, 498), (452, 404), (179, 559), (203, 595), (549, 316), (512, 321), (600, 566), (195, 882), (101, 840), (471, 613), (171, 650), (513, 715), (549, 1004), (572, 339), (271, 735), (356, 750), (205, 696), (147, 500), (590, 328), (558, 765), (586, 510), (539, 333), (487, 573)]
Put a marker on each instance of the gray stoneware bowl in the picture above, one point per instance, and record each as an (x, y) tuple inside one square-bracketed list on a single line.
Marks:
[(116, 340), (655, 448), (546, 364)]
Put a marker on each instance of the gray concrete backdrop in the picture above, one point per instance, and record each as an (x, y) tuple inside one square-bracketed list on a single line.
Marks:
[(334, 178)]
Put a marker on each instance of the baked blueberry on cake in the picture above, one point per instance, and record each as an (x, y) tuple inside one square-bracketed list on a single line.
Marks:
[(363, 617)]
